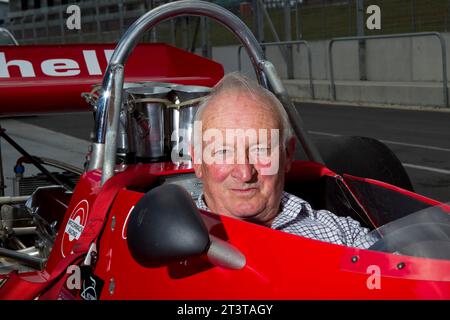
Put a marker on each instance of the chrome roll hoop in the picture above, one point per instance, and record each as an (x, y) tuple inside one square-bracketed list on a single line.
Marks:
[(108, 109)]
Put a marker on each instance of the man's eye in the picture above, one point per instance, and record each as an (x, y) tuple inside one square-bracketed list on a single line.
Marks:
[(261, 150), (222, 151)]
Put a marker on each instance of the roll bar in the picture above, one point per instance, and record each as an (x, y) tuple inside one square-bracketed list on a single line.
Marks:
[(108, 109), (10, 35)]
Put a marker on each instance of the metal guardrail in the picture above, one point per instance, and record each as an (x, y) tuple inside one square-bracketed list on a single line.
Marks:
[(389, 36), (282, 43)]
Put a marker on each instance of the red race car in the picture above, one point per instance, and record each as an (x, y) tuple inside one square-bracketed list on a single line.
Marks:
[(90, 241)]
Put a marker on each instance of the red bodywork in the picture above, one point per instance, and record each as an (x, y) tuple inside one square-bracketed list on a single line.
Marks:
[(279, 265), (34, 87)]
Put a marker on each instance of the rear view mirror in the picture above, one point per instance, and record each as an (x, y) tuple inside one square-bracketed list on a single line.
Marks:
[(165, 226)]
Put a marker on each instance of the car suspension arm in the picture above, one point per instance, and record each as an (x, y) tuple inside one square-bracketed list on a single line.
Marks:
[(33, 160)]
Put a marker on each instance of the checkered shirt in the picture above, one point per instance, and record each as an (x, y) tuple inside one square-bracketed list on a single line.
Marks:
[(298, 217)]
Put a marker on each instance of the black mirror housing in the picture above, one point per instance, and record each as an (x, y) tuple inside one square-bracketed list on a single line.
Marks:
[(165, 226)]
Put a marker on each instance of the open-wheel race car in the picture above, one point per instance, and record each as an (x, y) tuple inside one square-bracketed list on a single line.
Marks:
[(130, 228)]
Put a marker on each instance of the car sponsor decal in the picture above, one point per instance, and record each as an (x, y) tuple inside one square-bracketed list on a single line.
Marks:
[(55, 67), (74, 227), (92, 285)]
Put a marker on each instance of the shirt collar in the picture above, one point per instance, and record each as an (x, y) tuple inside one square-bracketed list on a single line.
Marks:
[(285, 215), (201, 203)]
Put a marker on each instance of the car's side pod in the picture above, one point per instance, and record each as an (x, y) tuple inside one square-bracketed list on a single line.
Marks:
[(165, 226)]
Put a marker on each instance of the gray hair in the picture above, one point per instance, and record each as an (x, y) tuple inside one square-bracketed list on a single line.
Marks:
[(236, 81)]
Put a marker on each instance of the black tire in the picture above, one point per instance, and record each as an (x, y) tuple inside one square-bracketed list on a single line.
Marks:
[(363, 157)]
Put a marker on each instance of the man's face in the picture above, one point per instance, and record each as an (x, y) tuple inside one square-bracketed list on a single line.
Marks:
[(237, 188)]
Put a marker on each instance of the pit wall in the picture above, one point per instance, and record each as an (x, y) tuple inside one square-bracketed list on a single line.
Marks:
[(405, 71)]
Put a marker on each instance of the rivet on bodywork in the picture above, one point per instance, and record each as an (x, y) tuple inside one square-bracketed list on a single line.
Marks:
[(112, 286), (355, 259), (113, 223), (401, 265)]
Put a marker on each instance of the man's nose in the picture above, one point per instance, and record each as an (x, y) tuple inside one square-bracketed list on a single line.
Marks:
[(243, 172)]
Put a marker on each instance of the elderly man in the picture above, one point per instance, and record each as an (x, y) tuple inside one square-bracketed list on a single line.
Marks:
[(244, 189)]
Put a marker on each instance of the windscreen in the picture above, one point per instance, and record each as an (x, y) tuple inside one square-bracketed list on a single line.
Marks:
[(425, 234)]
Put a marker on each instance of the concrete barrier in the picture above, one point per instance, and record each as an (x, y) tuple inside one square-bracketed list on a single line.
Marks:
[(404, 71)]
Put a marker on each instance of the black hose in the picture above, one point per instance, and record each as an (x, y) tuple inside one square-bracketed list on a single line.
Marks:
[(33, 262)]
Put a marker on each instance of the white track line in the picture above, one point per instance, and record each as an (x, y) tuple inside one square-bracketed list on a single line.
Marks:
[(415, 145), (413, 166), (388, 142), (407, 165), (319, 133)]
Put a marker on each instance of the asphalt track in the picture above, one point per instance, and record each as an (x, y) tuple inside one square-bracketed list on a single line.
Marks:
[(421, 139)]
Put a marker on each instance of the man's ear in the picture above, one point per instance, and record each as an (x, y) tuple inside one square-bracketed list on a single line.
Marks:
[(290, 150), (197, 166)]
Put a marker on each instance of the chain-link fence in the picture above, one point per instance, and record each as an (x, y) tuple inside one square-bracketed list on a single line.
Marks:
[(324, 19), (401, 16), (270, 20)]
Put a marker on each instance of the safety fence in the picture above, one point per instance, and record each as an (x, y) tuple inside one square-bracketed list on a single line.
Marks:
[(286, 53)]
